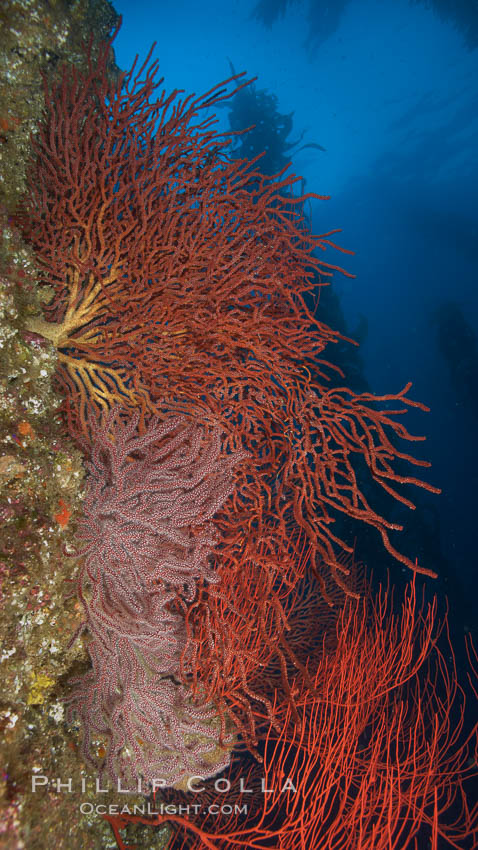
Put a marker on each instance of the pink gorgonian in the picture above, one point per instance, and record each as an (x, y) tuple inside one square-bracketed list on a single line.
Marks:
[(148, 536)]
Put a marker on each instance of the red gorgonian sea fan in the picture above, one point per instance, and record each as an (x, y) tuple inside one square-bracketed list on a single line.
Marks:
[(148, 535), (380, 759), (181, 285)]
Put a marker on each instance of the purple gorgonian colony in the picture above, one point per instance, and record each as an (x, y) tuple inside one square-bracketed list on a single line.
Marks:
[(148, 534)]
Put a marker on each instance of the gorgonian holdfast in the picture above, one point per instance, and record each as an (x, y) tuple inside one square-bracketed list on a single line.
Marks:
[(148, 536)]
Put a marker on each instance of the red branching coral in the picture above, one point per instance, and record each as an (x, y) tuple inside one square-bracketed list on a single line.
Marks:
[(180, 281), (148, 536), (239, 635), (376, 762)]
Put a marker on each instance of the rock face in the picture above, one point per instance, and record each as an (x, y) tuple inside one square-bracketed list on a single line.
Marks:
[(41, 472)]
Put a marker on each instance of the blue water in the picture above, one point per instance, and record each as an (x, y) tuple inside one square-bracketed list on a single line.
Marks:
[(392, 95)]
